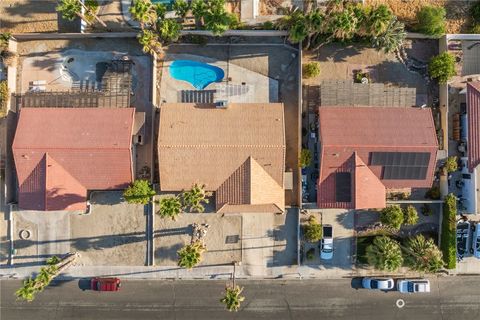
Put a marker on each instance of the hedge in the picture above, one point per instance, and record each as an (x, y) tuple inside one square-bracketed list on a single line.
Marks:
[(448, 241)]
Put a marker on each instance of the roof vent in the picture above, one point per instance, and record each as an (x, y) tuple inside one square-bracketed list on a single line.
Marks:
[(221, 104)]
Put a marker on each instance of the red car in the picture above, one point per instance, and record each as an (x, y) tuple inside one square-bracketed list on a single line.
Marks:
[(105, 284)]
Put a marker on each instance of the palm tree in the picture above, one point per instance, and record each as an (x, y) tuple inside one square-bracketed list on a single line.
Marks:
[(423, 255), (384, 254), (149, 41), (181, 8), (232, 298), (190, 255), (169, 207), (195, 197), (73, 8), (342, 25), (143, 12), (169, 30), (199, 8), (392, 39), (378, 20)]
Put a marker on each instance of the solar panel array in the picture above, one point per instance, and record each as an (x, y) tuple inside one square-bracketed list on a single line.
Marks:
[(343, 187), (401, 165)]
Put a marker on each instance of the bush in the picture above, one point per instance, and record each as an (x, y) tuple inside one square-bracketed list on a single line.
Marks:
[(305, 158), (442, 67), (431, 20), (3, 98), (392, 216), (384, 254), (410, 215), (139, 192), (422, 254), (448, 238), (313, 230), (268, 25), (475, 28), (451, 165), (433, 193), (475, 12), (311, 70), (311, 254), (427, 210)]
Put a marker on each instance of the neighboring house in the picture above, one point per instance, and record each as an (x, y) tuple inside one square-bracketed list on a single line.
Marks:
[(237, 152), (366, 150), (63, 153), (470, 171)]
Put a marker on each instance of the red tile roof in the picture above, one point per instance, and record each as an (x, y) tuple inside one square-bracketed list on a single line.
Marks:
[(60, 153), (473, 112), (346, 131)]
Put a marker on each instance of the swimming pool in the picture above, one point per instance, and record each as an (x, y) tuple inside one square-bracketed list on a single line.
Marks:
[(198, 74), (167, 3)]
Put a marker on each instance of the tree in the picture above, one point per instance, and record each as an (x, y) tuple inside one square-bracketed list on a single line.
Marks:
[(4, 38), (384, 254), (73, 8), (392, 216), (181, 8), (139, 192), (212, 15), (169, 207), (169, 30), (377, 20), (431, 20), (475, 12), (305, 158), (195, 197), (199, 8), (27, 291), (342, 24), (442, 67), (451, 165), (160, 11), (410, 215), (149, 41), (233, 298), (393, 37), (313, 230), (143, 12), (190, 255), (423, 255)]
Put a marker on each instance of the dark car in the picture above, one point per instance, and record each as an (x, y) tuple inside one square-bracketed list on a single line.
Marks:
[(105, 284)]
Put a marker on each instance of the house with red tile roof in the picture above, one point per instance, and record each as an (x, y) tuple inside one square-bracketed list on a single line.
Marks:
[(237, 152), (365, 151), (61, 154)]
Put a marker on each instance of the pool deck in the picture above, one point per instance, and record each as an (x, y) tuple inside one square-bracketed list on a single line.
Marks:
[(257, 87)]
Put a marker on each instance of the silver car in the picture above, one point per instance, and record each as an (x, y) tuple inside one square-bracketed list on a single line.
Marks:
[(378, 283), (413, 286)]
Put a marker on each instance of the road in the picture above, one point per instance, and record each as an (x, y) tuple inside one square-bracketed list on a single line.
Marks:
[(451, 298)]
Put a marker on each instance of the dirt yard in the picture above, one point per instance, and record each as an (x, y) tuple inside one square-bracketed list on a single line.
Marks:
[(112, 234), (457, 11), (223, 239), (20, 16)]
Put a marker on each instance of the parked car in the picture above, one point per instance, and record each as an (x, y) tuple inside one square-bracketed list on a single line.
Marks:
[(105, 284), (476, 241), (378, 283), (413, 285), (326, 244), (463, 239)]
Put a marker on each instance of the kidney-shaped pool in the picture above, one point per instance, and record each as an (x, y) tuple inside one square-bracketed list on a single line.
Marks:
[(198, 74)]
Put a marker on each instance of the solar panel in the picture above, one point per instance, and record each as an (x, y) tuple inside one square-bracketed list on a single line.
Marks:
[(401, 165), (343, 186)]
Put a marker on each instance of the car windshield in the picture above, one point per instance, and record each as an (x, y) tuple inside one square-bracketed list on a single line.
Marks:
[(374, 284), (325, 249), (410, 287)]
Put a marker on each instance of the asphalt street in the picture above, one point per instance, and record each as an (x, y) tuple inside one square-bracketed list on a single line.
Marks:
[(451, 298)]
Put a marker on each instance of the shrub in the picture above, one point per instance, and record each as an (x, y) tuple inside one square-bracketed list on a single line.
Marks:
[(3, 98), (384, 254), (475, 12), (442, 67), (139, 192), (431, 20), (311, 254), (195, 198), (433, 193), (169, 207), (190, 255), (305, 158), (410, 215), (311, 70), (451, 165), (475, 28), (313, 230), (427, 210), (448, 238), (268, 25), (392, 216), (422, 254)]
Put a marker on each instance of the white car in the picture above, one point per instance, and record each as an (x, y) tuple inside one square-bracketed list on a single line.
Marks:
[(326, 245), (413, 286), (378, 283), (476, 241)]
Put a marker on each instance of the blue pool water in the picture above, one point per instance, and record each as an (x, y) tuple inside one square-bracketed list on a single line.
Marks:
[(198, 74), (167, 3)]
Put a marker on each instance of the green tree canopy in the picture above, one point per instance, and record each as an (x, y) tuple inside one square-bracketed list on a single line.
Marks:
[(313, 230), (305, 154), (410, 215), (384, 254), (190, 255), (393, 37), (139, 192), (143, 11), (70, 9), (169, 207), (169, 30), (195, 198), (233, 298), (431, 20), (442, 67), (451, 165), (392, 216), (181, 8), (423, 255)]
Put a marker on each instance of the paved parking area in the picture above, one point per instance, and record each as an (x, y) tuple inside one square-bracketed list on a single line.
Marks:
[(113, 234)]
